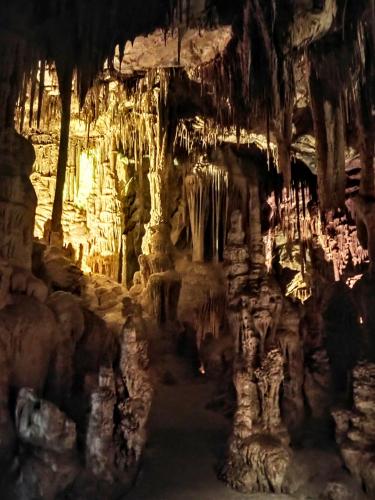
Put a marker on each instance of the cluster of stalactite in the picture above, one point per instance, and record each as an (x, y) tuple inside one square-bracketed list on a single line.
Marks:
[(135, 129), (269, 32), (206, 188), (267, 49), (88, 42), (341, 101), (298, 232), (117, 130), (210, 318)]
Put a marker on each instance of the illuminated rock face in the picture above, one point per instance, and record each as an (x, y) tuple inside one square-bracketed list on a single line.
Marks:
[(93, 213)]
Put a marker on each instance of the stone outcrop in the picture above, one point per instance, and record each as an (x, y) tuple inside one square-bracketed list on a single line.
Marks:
[(48, 459), (135, 394)]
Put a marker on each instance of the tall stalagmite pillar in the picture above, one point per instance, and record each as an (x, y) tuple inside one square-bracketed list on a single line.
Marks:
[(258, 454), (161, 282)]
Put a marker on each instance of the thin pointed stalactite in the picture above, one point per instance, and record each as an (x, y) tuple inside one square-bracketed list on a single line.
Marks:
[(33, 85), (65, 85), (40, 91)]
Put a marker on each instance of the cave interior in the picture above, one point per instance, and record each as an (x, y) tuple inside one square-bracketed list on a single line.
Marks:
[(187, 249)]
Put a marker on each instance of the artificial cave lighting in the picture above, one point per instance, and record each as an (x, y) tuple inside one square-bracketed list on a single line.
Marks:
[(187, 222)]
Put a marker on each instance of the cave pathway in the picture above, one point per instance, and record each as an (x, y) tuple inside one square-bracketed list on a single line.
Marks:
[(185, 441)]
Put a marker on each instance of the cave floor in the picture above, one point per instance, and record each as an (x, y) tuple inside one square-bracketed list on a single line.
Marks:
[(185, 443)]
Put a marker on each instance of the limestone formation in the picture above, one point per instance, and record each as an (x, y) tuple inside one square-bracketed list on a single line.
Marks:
[(258, 452), (207, 190), (160, 282), (99, 446), (134, 409)]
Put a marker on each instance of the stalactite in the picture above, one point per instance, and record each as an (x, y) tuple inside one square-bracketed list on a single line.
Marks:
[(198, 207), (33, 82), (297, 231), (330, 139), (65, 85), (209, 319), (42, 73), (207, 196)]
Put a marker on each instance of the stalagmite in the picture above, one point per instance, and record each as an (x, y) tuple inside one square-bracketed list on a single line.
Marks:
[(258, 452), (53, 465), (135, 409), (99, 446)]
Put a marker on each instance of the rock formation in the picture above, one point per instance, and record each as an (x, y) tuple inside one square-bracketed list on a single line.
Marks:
[(51, 435), (258, 451)]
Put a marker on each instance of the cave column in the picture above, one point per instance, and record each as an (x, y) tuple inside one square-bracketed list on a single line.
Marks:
[(365, 200), (161, 129), (159, 279), (159, 179), (254, 307)]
